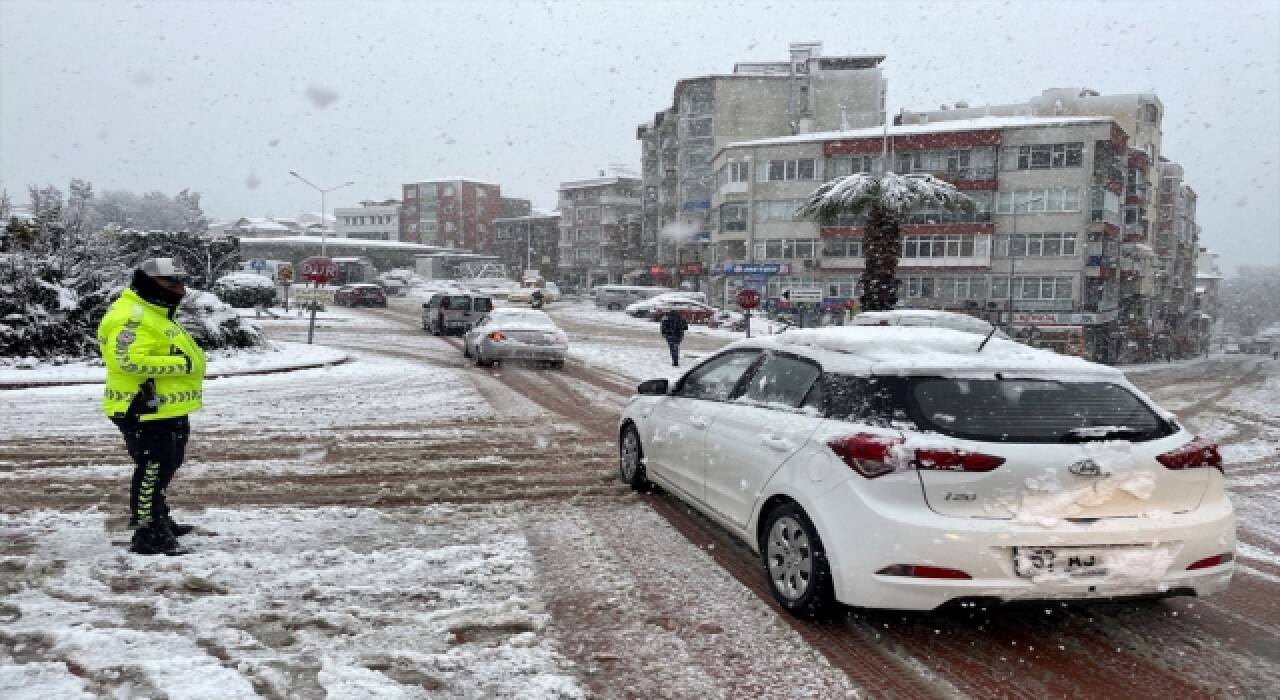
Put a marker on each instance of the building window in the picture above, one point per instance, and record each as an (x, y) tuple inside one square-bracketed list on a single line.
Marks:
[(1036, 245), (840, 167), (699, 104), (588, 214), (1052, 200), (1150, 114), (787, 249), (777, 210), (585, 235), (699, 128), (733, 217), (735, 172), (955, 163), (981, 213), (1049, 155), (951, 246), (842, 248), (1041, 288), (446, 190), (778, 170)]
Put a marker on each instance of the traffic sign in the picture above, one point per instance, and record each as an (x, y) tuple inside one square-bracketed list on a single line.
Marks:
[(258, 264), (318, 269), (313, 295), (748, 299), (284, 274)]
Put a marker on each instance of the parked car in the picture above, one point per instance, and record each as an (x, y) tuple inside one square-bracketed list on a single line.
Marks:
[(454, 313), (360, 295), (516, 334), (903, 468), (733, 320), (616, 297), (644, 307)]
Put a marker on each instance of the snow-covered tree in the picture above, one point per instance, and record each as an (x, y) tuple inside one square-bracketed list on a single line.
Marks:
[(205, 258), (880, 201)]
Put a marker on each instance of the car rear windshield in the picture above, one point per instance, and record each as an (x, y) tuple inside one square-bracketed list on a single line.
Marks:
[(457, 303), (1000, 410)]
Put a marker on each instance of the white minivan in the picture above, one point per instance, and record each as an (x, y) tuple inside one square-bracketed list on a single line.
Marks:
[(616, 297)]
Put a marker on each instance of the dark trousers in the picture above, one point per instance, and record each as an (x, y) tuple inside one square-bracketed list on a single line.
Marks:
[(157, 449), (673, 344)]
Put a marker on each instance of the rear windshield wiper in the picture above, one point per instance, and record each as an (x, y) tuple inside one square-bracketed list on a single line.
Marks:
[(1093, 433)]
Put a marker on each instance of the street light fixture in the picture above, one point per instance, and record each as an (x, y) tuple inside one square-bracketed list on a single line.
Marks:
[(323, 222), (1012, 259)]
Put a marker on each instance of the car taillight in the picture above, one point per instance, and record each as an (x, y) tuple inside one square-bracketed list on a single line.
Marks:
[(1212, 561), (955, 460), (1197, 453), (869, 455), (497, 336), (919, 571)]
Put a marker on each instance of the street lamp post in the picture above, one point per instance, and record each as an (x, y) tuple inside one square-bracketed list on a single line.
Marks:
[(1013, 260), (323, 223)]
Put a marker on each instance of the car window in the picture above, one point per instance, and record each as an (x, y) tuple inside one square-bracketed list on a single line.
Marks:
[(781, 379), (484, 304), (457, 303), (1032, 410), (716, 379)]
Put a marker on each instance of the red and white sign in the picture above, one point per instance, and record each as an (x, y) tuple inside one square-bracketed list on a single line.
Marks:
[(319, 270), (748, 299)]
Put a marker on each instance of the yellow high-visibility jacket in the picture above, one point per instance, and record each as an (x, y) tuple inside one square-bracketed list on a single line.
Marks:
[(140, 341)]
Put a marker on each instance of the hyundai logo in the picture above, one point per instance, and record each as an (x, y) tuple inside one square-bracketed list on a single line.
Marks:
[(1087, 467)]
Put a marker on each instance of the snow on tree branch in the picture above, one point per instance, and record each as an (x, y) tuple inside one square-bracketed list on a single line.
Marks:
[(856, 194)]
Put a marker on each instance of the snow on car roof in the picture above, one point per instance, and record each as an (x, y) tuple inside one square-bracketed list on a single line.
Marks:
[(909, 350)]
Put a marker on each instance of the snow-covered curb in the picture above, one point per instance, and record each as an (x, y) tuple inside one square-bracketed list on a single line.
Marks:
[(276, 357)]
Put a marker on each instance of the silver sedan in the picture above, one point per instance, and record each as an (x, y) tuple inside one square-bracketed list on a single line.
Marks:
[(516, 334)]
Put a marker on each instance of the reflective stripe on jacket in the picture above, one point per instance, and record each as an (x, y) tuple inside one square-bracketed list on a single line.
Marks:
[(139, 341)]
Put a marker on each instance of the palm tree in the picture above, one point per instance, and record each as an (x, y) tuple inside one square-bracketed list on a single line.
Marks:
[(882, 201)]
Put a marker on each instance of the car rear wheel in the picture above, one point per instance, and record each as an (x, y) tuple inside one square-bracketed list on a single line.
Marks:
[(466, 349), (631, 459), (613, 307), (480, 361), (796, 563)]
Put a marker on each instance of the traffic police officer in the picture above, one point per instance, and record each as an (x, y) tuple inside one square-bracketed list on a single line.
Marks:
[(155, 372)]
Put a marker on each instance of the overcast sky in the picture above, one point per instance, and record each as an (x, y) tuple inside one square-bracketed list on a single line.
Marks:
[(226, 97)]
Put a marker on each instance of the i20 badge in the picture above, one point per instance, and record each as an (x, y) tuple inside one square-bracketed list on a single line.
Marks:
[(1087, 467)]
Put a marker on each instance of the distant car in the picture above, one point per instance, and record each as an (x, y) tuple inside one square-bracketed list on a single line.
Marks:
[(925, 318), (552, 291), (516, 334), (360, 295), (644, 307), (691, 311), (1006, 473), (454, 313), (733, 320)]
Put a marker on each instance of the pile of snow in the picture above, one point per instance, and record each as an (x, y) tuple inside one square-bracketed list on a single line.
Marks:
[(215, 324), (250, 280)]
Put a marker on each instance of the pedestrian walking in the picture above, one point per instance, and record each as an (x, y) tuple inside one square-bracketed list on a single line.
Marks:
[(155, 373), (673, 327)]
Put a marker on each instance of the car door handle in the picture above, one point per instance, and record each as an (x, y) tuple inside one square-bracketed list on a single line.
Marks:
[(698, 422), (775, 443)]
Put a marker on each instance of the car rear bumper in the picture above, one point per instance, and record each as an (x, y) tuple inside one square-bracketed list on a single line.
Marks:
[(512, 350), (984, 549)]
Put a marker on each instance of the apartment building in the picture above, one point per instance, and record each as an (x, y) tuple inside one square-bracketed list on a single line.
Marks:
[(600, 230), (529, 243), (1040, 253), (512, 207), (451, 212), (1145, 295), (371, 221), (1177, 243), (806, 93)]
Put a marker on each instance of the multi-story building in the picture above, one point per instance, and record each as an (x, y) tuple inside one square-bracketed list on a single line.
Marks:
[(1176, 242), (1144, 293), (529, 243), (1047, 215), (372, 220), (600, 230), (452, 212), (809, 92), (512, 207), (1208, 295)]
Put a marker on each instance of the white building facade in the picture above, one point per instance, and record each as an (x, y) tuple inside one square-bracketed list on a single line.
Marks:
[(372, 220)]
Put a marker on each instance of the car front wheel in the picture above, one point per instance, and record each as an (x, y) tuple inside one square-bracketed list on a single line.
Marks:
[(631, 459), (796, 563)]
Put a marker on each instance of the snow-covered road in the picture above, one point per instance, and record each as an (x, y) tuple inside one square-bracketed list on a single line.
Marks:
[(408, 526)]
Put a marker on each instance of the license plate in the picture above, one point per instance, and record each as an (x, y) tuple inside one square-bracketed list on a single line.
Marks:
[(1032, 562)]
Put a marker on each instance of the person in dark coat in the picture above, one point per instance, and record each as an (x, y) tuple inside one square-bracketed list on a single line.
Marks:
[(673, 327)]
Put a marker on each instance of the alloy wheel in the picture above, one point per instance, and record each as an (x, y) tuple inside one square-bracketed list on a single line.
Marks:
[(790, 557)]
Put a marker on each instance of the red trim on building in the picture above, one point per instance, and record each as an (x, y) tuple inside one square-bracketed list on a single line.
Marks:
[(1139, 159), (1110, 229), (915, 142), (1116, 187), (1119, 138)]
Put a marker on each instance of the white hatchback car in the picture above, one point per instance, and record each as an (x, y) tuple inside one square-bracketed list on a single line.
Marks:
[(905, 468)]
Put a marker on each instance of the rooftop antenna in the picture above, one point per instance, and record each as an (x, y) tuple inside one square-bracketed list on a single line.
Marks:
[(844, 117)]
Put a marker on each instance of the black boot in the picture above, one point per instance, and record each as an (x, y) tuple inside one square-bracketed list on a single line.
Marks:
[(156, 539), (178, 529)]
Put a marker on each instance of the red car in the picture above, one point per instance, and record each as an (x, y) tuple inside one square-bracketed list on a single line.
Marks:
[(692, 311), (360, 295)]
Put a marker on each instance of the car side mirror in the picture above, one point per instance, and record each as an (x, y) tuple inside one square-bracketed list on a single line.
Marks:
[(654, 387)]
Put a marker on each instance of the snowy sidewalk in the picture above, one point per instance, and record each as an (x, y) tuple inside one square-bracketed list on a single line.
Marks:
[(274, 358)]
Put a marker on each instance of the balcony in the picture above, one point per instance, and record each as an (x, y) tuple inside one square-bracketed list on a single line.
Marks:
[(733, 188)]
